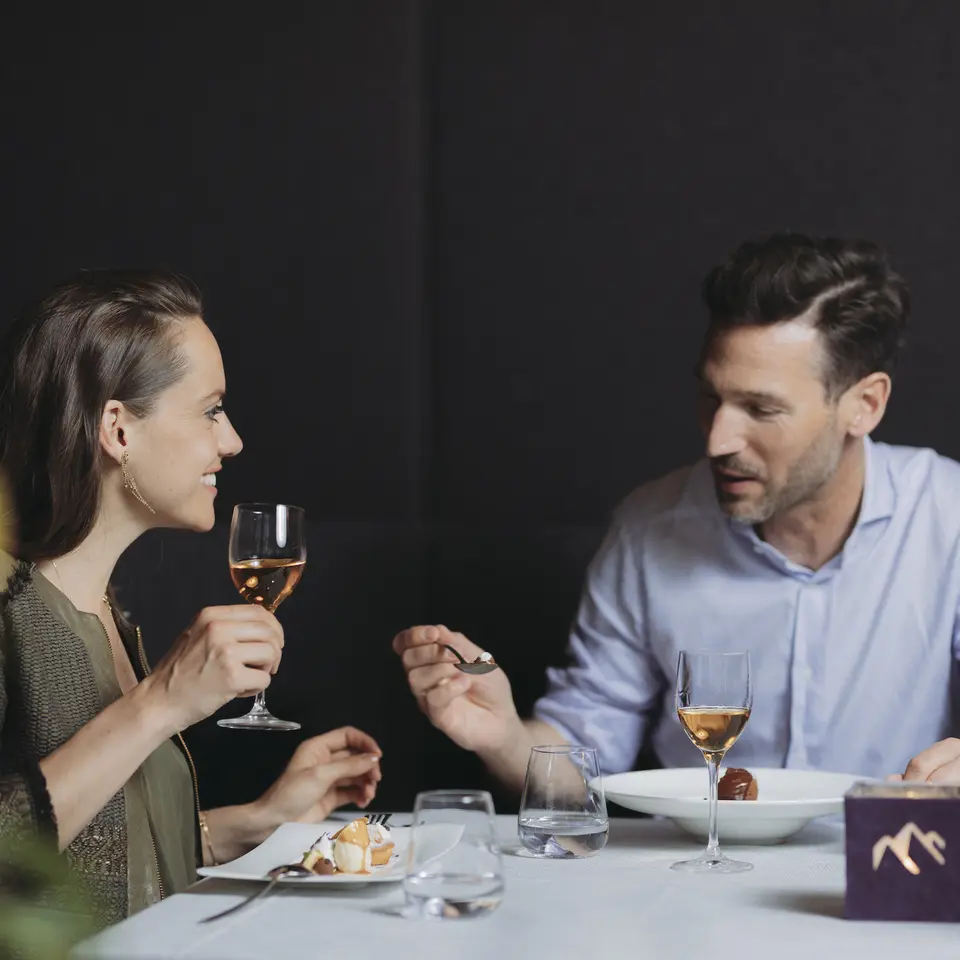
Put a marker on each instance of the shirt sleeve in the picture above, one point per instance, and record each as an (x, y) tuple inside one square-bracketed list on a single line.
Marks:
[(602, 698)]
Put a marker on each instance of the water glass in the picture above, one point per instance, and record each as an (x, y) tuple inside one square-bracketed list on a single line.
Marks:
[(454, 867), (563, 812)]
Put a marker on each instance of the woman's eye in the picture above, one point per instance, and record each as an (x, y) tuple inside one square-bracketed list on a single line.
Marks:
[(214, 411)]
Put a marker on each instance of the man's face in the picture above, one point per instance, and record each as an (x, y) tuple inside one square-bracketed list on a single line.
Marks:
[(771, 431)]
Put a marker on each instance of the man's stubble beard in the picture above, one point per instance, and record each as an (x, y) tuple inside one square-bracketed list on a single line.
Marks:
[(811, 471)]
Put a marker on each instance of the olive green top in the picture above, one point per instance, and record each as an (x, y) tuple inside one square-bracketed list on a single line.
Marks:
[(159, 797)]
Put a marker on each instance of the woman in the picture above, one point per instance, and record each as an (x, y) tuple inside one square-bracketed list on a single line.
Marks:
[(112, 423)]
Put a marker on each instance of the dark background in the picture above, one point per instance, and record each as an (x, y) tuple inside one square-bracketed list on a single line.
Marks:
[(451, 251)]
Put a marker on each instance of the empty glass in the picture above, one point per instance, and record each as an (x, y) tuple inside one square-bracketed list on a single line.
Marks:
[(453, 860), (563, 812)]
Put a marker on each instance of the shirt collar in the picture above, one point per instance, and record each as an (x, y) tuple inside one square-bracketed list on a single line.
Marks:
[(879, 494)]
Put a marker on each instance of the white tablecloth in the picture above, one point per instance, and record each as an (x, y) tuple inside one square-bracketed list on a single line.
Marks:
[(625, 902)]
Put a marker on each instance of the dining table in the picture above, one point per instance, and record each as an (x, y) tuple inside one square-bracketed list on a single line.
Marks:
[(623, 902)]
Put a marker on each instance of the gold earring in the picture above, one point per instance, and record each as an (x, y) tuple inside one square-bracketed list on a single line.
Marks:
[(130, 483)]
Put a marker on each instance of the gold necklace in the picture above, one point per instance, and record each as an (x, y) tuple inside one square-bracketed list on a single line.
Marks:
[(59, 578), (104, 598)]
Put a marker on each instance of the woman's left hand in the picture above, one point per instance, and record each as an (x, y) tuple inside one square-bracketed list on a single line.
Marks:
[(325, 772)]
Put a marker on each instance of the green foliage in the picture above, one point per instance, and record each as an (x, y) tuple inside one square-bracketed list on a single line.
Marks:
[(42, 912)]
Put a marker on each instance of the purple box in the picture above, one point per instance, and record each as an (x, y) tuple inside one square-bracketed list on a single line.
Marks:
[(903, 852)]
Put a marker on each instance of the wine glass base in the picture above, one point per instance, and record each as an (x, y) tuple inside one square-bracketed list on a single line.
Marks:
[(712, 863), (258, 721)]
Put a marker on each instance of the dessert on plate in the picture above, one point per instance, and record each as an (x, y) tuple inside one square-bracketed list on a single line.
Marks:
[(737, 784), (356, 848), (381, 844)]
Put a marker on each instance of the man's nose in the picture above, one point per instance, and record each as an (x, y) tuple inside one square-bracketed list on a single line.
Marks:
[(724, 434)]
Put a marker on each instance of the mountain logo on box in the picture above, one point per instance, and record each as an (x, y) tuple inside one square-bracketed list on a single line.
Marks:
[(932, 842)]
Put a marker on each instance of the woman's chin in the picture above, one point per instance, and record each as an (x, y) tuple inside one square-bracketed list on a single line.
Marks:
[(199, 519)]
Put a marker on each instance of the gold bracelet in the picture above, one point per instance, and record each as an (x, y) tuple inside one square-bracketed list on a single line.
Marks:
[(202, 817)]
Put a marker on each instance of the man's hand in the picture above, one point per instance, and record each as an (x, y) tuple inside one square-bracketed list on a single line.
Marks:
[(937, 764), (476, 712)]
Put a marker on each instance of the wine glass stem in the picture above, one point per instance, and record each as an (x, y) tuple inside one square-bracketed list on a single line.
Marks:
[(713, 768), (260, 701)]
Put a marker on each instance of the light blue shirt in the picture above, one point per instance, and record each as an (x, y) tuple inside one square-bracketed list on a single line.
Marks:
[(853, 664)]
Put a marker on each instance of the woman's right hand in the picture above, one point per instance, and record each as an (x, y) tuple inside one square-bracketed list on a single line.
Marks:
[(226, 652)]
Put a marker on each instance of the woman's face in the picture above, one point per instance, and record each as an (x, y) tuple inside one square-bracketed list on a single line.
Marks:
[(177, 450)]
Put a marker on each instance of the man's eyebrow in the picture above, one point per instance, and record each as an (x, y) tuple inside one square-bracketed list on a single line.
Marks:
[(753, 396), (760, 396)]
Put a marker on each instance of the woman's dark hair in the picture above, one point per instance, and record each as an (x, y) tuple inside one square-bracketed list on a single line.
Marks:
[(102, 335), (860, 304)]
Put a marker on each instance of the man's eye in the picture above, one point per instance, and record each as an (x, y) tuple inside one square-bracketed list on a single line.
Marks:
[(762, 413)]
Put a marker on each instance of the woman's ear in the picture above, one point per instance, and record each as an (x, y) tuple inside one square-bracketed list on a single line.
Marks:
[(114, 422)]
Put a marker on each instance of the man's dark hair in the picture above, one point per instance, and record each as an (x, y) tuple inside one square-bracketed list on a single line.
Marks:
[(861, 304)]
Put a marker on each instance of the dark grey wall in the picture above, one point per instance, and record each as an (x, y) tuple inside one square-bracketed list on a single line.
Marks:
[(451, 251)]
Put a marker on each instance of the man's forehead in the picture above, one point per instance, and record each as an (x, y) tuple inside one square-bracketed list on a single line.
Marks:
[(789, 350)]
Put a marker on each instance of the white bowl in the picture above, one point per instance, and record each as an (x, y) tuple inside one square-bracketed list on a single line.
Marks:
[(787, 800)]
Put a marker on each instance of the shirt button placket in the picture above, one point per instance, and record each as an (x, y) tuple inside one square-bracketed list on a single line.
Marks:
[(800, 676)]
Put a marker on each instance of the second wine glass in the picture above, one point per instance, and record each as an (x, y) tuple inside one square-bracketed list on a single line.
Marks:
[(714, 699), (267, 554)]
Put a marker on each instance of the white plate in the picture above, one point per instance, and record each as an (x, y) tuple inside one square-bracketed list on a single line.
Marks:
[(288, 843), (787, 800)]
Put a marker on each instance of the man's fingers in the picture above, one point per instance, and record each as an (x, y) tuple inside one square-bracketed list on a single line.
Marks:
[(424, 679), (463, 645), (924, 764), (425, 655), (423, 636), (445, 692), (946, 773), (415, 636)]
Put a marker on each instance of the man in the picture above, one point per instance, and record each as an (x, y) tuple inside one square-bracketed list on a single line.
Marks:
[(830, 558), (937, 764)]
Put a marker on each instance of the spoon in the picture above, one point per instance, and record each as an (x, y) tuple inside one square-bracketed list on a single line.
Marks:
[(467, 667), (275, 875), (290, 870)]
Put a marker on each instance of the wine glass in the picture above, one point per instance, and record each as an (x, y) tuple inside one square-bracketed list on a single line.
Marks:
[(268, 551), (714, 697)]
